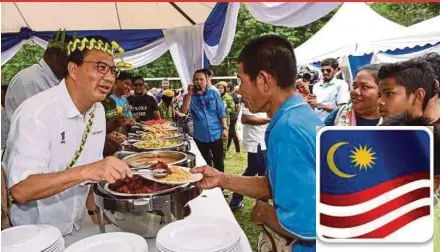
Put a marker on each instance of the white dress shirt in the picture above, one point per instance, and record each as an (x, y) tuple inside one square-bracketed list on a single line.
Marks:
[(27, 83), (45, 132), (253, 135), (332, 93)]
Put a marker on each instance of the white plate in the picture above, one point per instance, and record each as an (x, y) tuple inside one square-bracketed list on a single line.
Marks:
[(202, 234), (57, 247), (110, 242), (235, 248), (194, 177), (37, 237)]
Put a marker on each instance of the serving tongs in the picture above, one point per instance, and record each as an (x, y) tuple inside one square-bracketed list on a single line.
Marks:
[(157, 173)]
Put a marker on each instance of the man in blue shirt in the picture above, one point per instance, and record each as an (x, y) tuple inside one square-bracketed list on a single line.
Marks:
[(267, 70), (122, 90), (209, 119)]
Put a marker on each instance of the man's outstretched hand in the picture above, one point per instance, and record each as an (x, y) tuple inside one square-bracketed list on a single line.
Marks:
[(211, 177)]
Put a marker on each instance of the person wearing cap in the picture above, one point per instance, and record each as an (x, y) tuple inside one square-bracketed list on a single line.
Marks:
[(165, 106), (56, 143), (38, 77), (228, 101)]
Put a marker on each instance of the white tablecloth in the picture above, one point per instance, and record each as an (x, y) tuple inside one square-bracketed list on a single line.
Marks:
[(210, 203)]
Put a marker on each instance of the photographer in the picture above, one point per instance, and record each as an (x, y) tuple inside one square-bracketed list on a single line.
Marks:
[(209, 119)]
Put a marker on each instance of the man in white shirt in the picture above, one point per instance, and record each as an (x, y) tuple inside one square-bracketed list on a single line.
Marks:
[(331, 92), (254, 128), (37, 78), (56, 144), (210, 75)]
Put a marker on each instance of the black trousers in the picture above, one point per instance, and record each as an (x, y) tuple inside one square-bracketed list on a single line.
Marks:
[(213, 152), (232, 136), (256, 167)]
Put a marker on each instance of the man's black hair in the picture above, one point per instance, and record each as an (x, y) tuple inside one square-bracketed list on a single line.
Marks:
[(137, 77), (330, 62), (411, 74), (434, 60), (406, 119), (273, 54), (373, 69), (124, 75), (209, 72), (203, 71)]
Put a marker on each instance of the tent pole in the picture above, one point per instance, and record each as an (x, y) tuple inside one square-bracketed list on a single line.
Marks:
[(183, 13)]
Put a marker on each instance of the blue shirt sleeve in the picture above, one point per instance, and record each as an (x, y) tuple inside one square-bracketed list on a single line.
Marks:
[(293, 182), (330, 119)]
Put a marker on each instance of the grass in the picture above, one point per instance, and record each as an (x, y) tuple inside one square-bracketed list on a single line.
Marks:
[(236, 163)]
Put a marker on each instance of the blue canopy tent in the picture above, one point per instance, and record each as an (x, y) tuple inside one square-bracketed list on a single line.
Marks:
[(194, 28), (415, 41)]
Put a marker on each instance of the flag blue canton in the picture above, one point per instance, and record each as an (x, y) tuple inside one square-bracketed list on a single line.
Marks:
[(354, 160)]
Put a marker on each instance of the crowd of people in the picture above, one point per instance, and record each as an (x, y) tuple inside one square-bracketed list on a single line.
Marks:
[(78, 102)]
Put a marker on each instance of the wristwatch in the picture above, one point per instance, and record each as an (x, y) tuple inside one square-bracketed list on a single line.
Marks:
[(225, 128)]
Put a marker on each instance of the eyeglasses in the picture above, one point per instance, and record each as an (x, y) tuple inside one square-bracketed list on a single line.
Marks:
[(326, 70), (103, 68), (138, 85)]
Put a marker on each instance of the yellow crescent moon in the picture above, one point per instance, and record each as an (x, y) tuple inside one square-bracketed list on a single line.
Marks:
[(331, 160)]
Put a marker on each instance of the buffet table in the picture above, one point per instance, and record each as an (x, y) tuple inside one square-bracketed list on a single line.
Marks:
[(210, 203)]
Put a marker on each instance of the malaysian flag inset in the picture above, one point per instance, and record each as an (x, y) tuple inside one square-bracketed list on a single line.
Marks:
[(374, 184)]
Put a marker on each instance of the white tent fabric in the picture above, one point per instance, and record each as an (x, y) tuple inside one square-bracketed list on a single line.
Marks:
[(182, 24), (349, 32), (420, 34), (186, 49), (289, 14), (430, 25), (383, 57), (101, 15), (138, 57), (216, 54), (146, 54)]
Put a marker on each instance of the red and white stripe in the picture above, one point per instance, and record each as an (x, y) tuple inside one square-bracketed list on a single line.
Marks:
[(376, 212)]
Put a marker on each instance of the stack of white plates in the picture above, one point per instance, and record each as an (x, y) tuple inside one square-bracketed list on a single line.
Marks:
[(110, 242), (199, 235), (41, 238)]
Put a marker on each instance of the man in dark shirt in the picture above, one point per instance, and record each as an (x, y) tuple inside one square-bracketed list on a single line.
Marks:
[(143, 106)]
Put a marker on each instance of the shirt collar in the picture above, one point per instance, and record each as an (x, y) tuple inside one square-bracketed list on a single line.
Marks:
[(325, 84), (46, 69), (67, 103), (292, 101)]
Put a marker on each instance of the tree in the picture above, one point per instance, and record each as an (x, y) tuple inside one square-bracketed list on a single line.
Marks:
[(25, 57), (407, 13)]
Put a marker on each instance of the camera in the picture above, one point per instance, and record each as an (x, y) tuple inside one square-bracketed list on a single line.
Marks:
[(308, 74), (197, 88)]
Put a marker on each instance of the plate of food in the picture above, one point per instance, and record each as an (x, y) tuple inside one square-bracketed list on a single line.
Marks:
[(158, 126), (176, 175), (157, 144), (161, 134)]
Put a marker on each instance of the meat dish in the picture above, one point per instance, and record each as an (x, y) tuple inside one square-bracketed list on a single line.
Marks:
[(137, 185)]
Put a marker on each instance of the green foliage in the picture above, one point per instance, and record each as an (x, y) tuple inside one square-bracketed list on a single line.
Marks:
[(407, 13), (247, 28), (25, 57)]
